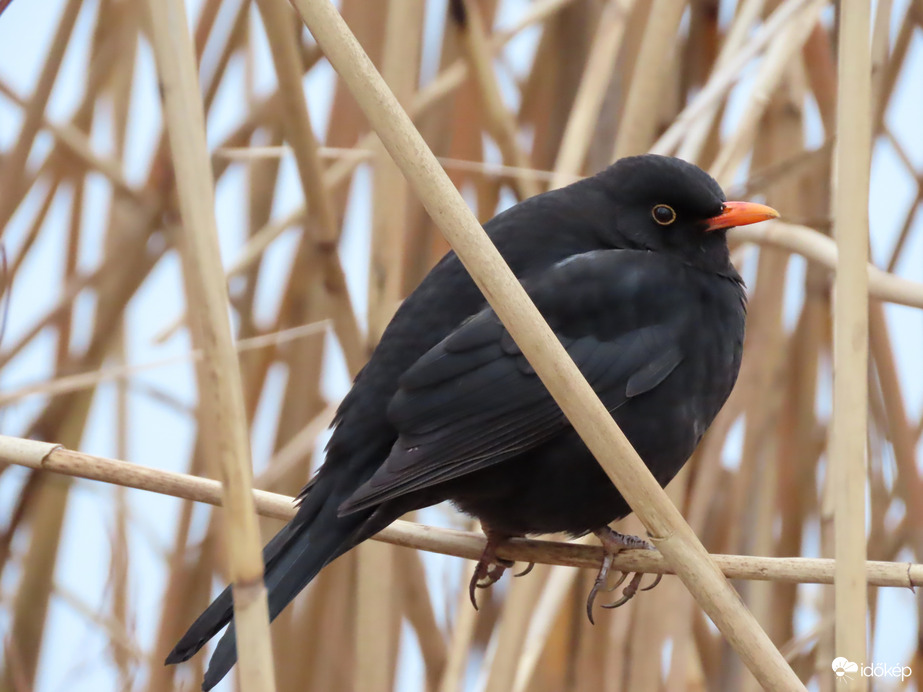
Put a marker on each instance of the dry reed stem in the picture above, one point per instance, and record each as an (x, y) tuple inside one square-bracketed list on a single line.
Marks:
[(448, 80), (818, 248), (542, 348), (753, 500), (379, 581), (601, 63), (820, 66), (723, 78), (232, 45), (509, 636), (403, 35), (545, 612), (901, 242), (909, 487), (718, 477), (71, 383), (77, 144), (462, 635), (779, 56), (46, 505), (500, 122), (692, 146), (495, 170), (638, 125), (418, 609), (783, 143), (14, 162), (311, 291), (278, 20), (800, 239), (781, 127), (647, 628), (30, 607), (121, 552), (375, 605), (547, 92), (99, 278), (888, 79), (296, 450), (32, 234), (52, 457), (850, 384), (179, 596), (881, 30), (120, 637), (219, 384), (445, 83)]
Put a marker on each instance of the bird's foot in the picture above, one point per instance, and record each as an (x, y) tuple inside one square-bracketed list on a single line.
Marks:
[(613, 543), (490, 567)]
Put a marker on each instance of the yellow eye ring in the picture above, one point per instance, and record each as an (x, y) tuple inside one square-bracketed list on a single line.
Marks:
[(663, 214)]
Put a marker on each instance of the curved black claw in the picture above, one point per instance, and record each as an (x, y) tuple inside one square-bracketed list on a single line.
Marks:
[(472, 585), (618, 583), (628, 593), (528, 569), (489, 568), (485, 575), (494, 572), (598, 584), (613, 543), (656, 582)]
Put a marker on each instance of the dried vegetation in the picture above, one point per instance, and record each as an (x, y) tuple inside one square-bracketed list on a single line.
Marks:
[(513, 97)]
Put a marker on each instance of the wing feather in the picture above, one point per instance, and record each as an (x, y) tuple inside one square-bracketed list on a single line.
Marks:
[(452, 426), (473, 400)]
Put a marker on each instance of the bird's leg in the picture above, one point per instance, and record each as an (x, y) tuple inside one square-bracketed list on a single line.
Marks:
[(613, 543), (489, 568)]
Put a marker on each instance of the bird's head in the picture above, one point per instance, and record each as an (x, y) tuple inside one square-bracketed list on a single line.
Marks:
[(668, 205)]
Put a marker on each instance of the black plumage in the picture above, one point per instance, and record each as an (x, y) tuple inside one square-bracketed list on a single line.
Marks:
[(632, 271)]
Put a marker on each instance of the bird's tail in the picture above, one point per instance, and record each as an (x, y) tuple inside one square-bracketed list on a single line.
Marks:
[(292, 559)]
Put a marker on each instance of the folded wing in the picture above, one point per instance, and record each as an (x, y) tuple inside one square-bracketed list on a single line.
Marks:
[(474, 401)]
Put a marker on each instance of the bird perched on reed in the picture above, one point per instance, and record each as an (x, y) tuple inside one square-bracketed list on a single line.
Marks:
[(632, 271)]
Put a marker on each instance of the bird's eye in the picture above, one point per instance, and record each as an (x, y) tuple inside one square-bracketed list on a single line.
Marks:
[(663, 214)]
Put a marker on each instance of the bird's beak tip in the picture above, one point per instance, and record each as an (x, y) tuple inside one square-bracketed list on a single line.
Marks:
[(740, 214)]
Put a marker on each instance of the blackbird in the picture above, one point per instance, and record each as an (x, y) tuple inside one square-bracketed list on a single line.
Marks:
[(632, 271)]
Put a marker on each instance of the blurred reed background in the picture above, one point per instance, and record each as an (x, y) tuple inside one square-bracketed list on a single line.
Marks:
[(321, 238)]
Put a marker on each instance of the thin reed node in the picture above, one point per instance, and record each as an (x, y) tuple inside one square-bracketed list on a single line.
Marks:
[(221, 406)]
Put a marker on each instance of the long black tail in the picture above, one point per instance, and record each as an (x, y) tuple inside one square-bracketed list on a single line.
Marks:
[(294, 556)]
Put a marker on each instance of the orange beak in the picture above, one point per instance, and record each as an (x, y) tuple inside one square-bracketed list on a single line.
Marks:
[(740, 214)]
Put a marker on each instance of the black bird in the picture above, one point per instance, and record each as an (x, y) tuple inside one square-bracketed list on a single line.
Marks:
[(632, 271)]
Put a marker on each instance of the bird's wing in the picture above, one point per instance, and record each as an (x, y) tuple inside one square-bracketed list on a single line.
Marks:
[(473, 400)]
